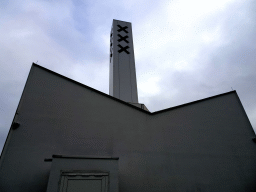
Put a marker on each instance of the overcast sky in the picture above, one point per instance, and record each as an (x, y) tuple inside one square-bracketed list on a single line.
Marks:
[(185, 50)]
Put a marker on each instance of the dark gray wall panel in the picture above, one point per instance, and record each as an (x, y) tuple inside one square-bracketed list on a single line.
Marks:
[(204, 145)]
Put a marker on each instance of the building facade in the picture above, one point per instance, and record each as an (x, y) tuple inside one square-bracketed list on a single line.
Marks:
[(66, 136)]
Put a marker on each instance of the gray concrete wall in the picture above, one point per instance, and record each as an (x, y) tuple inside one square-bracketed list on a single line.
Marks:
[(201, 146)]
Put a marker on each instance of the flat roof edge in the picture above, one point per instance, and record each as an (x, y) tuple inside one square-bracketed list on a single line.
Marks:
[(92, 89), (84, 157), (127, 104), (193, 102)]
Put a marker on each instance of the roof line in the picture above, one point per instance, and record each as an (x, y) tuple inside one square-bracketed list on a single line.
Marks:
[(84, 157), (127, 104), (92, 89), (182, 105), (121, 21)]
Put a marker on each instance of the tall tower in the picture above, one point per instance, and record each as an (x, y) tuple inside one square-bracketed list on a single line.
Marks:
[(122, 77)]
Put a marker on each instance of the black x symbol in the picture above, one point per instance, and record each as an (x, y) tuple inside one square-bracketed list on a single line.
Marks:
[(123, 49), (123, 38), (122, 28)]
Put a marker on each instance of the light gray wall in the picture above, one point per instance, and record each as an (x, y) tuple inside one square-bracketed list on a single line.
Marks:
[(202, 146)]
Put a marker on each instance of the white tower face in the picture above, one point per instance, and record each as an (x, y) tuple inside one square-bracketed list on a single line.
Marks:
[(122, 77)]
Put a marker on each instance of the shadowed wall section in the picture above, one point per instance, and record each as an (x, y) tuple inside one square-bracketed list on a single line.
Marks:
[(201, 146)]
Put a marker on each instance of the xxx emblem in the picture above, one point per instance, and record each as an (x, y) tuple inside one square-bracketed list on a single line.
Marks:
[(123, 49)]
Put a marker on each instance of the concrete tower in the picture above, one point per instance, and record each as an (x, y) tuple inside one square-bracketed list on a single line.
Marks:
[(122, 77)]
